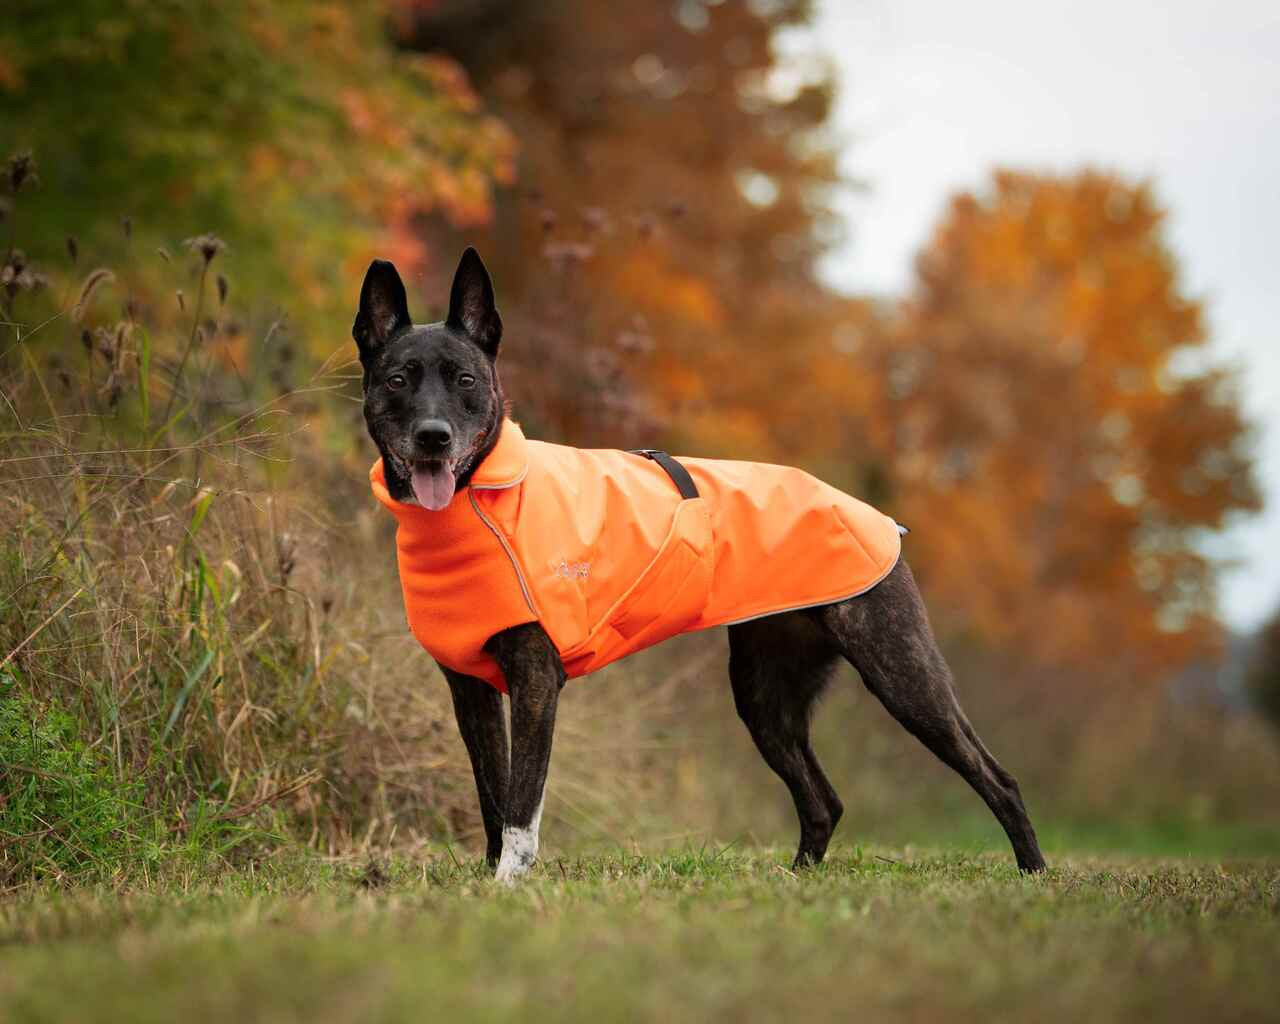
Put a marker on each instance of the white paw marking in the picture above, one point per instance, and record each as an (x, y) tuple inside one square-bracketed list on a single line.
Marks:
[(519, 848)]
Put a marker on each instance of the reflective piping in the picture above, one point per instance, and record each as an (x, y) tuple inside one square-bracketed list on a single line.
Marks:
[(502, 486), (816, 604), (515, 564)]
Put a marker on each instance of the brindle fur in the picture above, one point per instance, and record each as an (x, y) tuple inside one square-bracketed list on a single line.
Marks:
[(778, 665)]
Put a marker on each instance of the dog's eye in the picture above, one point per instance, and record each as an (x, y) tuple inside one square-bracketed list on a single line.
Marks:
[(396, 381), (465, 380)]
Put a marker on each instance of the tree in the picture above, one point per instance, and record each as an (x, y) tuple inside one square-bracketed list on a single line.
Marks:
[(1263, 678), (1056, 430), (656, 264), (298, 132)]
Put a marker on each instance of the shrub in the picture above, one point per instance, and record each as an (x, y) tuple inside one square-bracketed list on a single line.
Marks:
[(61, 808)]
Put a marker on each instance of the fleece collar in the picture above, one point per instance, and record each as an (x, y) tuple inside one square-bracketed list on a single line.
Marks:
[(505, 466)]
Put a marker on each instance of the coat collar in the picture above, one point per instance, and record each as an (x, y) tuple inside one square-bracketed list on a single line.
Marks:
[(505, 466)]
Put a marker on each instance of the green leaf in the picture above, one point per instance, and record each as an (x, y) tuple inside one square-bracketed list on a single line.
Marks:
[(193, 677), (202, 510)]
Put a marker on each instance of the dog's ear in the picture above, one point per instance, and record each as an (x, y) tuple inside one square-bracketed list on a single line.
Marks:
[(384, 310), (471, 307)]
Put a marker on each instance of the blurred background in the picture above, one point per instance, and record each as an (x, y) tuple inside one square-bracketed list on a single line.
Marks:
[(999, 272)]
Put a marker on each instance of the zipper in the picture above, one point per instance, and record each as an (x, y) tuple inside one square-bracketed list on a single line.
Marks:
[(515, 564)]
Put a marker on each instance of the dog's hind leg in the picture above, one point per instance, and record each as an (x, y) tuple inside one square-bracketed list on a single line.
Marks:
[(778, 666), (885, 634), (482, 721)]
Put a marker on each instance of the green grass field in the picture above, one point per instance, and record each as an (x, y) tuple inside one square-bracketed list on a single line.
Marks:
[(876, 934)]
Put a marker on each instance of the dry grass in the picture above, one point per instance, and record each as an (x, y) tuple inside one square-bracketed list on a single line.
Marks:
[(196, 584), (224, 636)]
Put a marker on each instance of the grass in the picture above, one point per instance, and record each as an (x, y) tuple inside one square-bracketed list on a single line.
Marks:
[(724, 935), (960, 825), (211, 716), (203, 651), (61, 806)]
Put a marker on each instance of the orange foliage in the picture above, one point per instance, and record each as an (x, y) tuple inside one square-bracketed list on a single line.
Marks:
[(1027, 408), (649, 296), (1051, 439)]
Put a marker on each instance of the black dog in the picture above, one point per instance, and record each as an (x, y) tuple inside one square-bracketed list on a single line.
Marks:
[(434, 406)]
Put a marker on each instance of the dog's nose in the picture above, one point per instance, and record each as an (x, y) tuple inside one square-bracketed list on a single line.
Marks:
[(432, 435)]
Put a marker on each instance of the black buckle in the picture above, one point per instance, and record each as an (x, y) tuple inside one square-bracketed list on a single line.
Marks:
[(679, 475)]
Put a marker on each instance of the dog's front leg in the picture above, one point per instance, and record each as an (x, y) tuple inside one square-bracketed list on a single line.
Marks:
[(482, 721), (535, 675)]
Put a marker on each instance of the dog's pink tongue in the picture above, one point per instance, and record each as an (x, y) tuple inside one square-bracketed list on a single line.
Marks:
[(433, 485)]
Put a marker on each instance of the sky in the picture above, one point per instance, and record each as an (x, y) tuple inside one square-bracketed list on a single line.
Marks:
[(934, 94)]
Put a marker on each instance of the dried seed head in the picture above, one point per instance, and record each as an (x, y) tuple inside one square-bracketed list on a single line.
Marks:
[(286, 550), (222, 290), (163, 253), (95, 280), (32, 280), (86, 339), (17, 275), (22, 171), (207, 245), (73, 250), (182, 301)]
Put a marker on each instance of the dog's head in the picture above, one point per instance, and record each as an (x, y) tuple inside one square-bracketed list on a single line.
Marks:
[(432, 400)]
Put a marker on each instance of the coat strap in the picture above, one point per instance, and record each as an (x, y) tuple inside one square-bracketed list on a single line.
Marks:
[(679, 475)]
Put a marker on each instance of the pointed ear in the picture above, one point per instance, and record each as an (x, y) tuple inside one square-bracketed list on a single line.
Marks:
[(384, 309), (471, 307)]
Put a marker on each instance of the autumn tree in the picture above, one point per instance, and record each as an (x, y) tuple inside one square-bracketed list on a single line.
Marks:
[(656, 262), (297, 132), (1055, 429)]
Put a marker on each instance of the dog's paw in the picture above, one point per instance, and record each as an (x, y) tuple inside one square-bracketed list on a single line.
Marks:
[(519, 851), (512, 867), (509, 874)]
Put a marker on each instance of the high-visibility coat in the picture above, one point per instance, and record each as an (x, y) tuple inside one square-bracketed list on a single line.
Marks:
[(601, 549)]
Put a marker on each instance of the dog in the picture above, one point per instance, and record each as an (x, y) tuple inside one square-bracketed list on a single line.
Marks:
[(435, 408)]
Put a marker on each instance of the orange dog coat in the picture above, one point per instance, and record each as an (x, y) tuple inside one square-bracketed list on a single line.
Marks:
[(599, 547)]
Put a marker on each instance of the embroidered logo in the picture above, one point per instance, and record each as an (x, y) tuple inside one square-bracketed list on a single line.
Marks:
[(571, 570)]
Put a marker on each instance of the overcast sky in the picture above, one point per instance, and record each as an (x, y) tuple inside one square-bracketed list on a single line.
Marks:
[(934, 93)]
